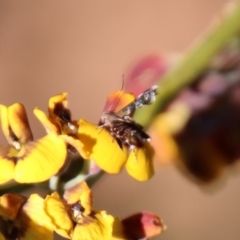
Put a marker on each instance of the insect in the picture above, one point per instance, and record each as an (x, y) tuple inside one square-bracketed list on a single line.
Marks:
[(121, 125), (145, 98), (64, 115)]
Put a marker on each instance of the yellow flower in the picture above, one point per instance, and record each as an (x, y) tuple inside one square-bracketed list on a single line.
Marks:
[(101, 147), (74, 218), (140, 163), (109, 152), (164, 128), (23, 159), (60, 123), (23, 218), (94, 142)]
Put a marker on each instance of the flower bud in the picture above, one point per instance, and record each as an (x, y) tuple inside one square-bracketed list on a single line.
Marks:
[(142, 225)]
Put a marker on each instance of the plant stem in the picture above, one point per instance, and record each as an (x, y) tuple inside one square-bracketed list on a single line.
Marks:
[(193, 63)]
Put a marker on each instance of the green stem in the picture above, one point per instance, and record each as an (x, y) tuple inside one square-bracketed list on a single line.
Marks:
[(194, 62), (15, 188)]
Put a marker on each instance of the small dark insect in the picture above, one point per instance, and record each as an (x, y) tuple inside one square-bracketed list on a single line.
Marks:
[(64, 115), (145, 98), (121, 125), (125, 129)]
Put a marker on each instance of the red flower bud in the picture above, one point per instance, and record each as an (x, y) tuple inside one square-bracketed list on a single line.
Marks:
[(142, 225)]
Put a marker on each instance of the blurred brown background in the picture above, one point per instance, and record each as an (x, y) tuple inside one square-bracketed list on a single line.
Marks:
[(84, 47)]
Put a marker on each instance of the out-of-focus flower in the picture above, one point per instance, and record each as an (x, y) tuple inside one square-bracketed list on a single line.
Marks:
[(200, 127), (23, 159), (145, 73), (24, 219), (74, 218), (109, 151), (2, 237)]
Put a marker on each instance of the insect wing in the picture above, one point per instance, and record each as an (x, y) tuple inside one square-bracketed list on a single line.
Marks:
[(145, 98), (127, 110)]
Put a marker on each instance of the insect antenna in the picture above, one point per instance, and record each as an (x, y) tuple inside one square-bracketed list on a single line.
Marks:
[(118, 97), (109, 108)]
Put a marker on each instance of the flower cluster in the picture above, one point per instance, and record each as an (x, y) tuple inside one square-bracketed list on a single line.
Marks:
[(25, 160), (71, 217), (28, 161), (199, 129)]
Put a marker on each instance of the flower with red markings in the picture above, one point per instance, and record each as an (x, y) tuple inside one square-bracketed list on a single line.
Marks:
[(23, 159), (120, 141), (24, 218)]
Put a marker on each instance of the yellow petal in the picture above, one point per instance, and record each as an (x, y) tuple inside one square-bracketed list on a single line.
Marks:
[(140, 163), (101, 147), (5, 123), (18, 122), (2, 237), (99, 227), (58, 214), (60, 99), (163, 130), (7, 164), (117, 100), (48, 124), (40, 160), (118, 231), (80, 192), (33, 221), (10, 204), (165, 146), (74, 142)]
